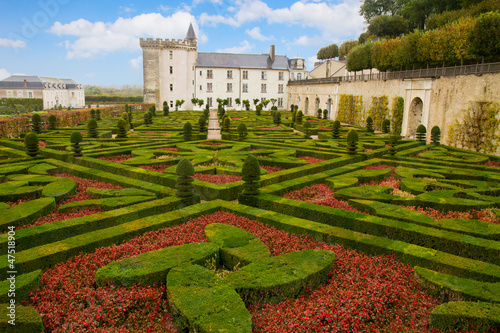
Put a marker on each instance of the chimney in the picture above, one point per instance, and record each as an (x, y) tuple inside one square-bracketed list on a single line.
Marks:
[(272, 54), (25, 83)]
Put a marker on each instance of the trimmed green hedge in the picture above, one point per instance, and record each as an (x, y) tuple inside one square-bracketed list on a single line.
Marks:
[(26, 212), (105, 204), (24, 285), (27, 320), (477, 316)]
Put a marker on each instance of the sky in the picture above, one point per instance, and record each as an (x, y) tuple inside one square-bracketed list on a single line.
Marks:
[(96, 42)]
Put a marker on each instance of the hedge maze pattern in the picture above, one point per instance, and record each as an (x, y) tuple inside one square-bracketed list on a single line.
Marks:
[(456, 258)]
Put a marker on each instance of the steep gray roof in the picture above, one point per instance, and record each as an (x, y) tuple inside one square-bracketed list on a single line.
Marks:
[(231, 60), (191, 34), (17, 82)]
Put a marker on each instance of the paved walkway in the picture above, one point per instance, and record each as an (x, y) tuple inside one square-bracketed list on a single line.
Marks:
[(213, 126)]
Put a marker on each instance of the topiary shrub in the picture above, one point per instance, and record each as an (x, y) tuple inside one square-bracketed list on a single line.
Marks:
[(242, 131), (278, 118), (36, 123), (92, 114), (352, 142), (152, 110), (369, 124), (294, 116), (299, 116), (146, 118), (125, 116), (421, 133), (393, 142), (206, 112), (250, 173), (226, 124), (202, 124), (336, 129), (98, 114), (307, 129), (319, 113), (52, 122), (92, 129), (165, 108), (184, 182), (122, 129), (187, 131), (258, 109), (76, 138), (435, 135), (386, 126), (325, 114), (31, 144), (130, 119)]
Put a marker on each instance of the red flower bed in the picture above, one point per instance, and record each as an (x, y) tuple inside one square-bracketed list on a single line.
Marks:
[(364, 293), (212, 143), (217, 179), (116, 158), (319, 194), (380, 167), (390, 182), (482, 215), (271, 168), (491, 163), (310, 159), (158, 167), (169, 149)]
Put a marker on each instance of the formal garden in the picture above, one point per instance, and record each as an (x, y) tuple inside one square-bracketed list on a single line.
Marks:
[(134, 221)]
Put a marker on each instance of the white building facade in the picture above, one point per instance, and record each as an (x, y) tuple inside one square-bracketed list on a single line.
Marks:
[(175, 70)]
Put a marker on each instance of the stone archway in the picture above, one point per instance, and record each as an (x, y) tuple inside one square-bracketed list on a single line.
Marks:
[(415, 116)]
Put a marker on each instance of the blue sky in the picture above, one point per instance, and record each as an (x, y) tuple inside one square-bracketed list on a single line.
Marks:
[(97, 42)]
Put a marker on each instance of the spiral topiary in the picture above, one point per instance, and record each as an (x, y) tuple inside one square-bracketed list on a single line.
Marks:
[(76, 138), (184, 181), (393, 142), (369, 124), (421, 133), (386, 126), (52, 122), (36, 123), (122, 129), (202, 124), (31, 144), (92, 114), (435, 135), (250, 173), (352, 142), (299, 116), (307, 129), (125, 116), (187, 131), (92, 129), (242, 131), (336, 129)]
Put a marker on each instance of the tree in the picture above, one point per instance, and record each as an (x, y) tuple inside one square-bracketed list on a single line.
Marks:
[(265, 102), (273, 101), (178, 104), (328, 52), (484, 37), (165, 108), (386, 26), (360, 57), (187, 131), (255, 101), (200, 102), (347, 46), (194, 101), (372, 8), (237, 101)]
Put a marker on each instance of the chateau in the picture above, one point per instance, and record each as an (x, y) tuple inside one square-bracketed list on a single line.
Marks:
[(175, 70), (54, 92)]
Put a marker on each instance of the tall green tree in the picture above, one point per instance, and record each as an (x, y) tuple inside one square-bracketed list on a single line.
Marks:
[(387, 26), (370, 9), (347, 46)]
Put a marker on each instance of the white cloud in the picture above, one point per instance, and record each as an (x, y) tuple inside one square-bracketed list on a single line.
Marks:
[(13, 43), (136, 63), (256, 34), (99, 38), (308, 41), (310, 62), (90, 75), (4, 73), (244, 47), (335, 21)]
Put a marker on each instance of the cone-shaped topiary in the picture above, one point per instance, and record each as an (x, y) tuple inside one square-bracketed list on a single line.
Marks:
[(325, 114), (98, 114), (226, 124), (125, 116), (92, 129), (278, 118), (146, 118), (299, 116), (184, 181), (202, 123), (421, 133), (393, 142), (122, 129), (307, 129), (92, 114), (150, 117), (242, 131), (76, 138), (386, 126), (152, 110), (52, 122), (165, 108), (352, 142), (187, 131), (130, 119), (31, 144), (336, 129), (206, 112), (435, 135), (258, 109), (369, 124), (36, 123), (250, 173)]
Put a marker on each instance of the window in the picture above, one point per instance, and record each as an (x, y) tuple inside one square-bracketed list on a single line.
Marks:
[(30, 94), (263, 75), (209, 102), (210, 74), (299, 76), (19, 94), (209, 87), (263, 88), (280, 76), (229, 102), (9, 94), (201, 73), (171, 104), (229, 87), (201, 87), (171, 54), (245, 75), (72, 93), (229, 74), (171, 70), (245, 87), (280, 102), (280, 88), (171, 87)]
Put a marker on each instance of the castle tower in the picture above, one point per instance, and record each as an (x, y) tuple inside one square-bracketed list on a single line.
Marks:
[(169, 69)]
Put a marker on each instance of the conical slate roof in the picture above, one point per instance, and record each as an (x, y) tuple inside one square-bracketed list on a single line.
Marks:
[(190, 34)]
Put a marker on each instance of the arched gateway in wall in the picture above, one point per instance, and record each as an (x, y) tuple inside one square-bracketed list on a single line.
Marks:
[(415, 116)]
